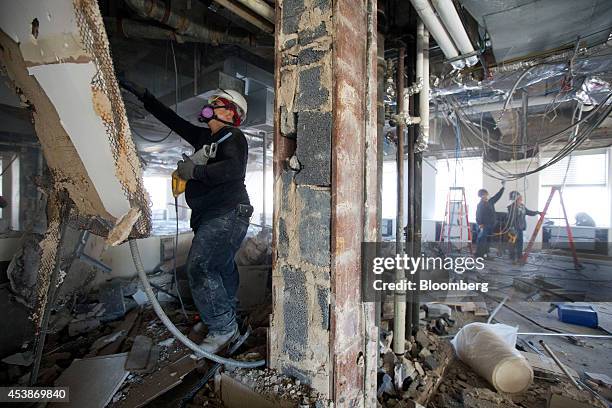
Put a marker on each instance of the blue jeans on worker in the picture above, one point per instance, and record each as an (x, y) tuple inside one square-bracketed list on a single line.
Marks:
[(516, 250), (482, 240), (213, 274)]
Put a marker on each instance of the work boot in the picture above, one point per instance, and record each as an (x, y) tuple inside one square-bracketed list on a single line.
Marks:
[(199, 327), (217, 341)]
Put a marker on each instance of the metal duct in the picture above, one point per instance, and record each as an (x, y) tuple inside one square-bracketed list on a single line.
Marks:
[(157, 10)]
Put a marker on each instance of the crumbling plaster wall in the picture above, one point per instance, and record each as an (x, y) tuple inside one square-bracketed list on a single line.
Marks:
[(57, 57)]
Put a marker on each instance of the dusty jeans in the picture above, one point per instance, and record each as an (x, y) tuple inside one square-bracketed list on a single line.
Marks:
[(482, 241), (516, 250), (213, 275)]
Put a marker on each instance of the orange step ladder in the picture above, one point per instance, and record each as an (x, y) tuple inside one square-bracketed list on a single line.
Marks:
[(456, 203)]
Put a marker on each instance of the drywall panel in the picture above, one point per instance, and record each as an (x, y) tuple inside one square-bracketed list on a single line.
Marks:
[(119, 258), (46, 31), (66, 85)]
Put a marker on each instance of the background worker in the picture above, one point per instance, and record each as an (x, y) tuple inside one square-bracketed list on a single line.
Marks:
[(517, 213), (217, 196), (485, 218)]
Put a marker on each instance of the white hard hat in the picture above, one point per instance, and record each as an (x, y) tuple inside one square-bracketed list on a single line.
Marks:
[(233, 96)]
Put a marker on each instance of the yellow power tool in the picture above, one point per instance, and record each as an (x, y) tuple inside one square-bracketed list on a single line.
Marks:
[(178, 184), (200, 157)]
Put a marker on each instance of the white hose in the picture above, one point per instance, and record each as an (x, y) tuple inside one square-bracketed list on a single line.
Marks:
[(170, 326)]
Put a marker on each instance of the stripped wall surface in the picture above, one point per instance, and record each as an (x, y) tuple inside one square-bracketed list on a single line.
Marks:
[(321, 333)]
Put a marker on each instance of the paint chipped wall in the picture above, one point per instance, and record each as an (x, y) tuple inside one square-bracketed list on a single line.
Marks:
[(300, 328), (57, 57)]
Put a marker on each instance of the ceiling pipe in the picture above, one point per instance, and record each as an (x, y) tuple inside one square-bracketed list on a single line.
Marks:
[(435, 27), (135, 29), (259, 7), (453, 24), (422, 73), (247, 15), (158, 11)]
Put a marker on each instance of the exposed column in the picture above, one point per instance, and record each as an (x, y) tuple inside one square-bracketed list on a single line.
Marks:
[(323, 200)]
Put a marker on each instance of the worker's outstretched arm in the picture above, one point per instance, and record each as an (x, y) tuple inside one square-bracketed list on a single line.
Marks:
[(229, 169), (497, 196), (531, 212), (191, 133)]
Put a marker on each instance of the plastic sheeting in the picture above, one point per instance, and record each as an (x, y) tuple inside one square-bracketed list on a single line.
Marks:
[(490, 350)]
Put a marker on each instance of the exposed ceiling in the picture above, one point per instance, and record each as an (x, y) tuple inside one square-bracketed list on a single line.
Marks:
[(519, 28)]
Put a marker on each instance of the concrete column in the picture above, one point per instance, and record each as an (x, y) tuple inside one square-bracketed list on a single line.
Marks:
[(324, 203)]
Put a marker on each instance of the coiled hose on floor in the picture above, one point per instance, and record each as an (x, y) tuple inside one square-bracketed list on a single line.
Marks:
[(170, 326)]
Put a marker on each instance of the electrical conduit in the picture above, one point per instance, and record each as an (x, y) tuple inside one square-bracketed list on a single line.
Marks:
[(170, 326)]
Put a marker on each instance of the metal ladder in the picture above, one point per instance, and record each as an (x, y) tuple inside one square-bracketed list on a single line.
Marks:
[(538, 226), (454, 201)]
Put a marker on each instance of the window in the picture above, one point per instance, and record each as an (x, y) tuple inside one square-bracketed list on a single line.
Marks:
[(163, 213), (583, 170), (586, 188), (464, 172)]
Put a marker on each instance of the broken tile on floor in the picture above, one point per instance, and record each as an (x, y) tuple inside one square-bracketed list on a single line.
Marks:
[(92, 381), (143, 356)]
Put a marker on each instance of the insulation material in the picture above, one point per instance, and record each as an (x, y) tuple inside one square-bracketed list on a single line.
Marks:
[(57, 56), (490, 350)]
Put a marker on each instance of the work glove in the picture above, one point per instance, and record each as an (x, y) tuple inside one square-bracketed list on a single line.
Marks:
[(130, 86), (186, 167)]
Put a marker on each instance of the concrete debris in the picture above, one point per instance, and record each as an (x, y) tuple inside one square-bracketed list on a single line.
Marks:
[(273, 385), (560, 401), (77, 327), (21, 359), (105, 340), (143, 356), (436, 310), (485, 398), (600, 379), (386, 339), (389, 360), (419, 368), (167, 343)]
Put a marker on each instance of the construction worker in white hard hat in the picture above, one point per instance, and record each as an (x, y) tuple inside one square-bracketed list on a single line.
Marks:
[(220, 205)]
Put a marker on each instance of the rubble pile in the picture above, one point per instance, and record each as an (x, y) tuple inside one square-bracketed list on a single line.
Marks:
[(275, 386), (462, 387), (413, 376)]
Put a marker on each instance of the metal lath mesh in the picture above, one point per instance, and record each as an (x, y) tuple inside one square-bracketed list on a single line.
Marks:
[(128, 170)]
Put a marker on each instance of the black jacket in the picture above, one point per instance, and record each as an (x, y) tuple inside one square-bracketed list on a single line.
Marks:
[(218, 187), (485, 212), (516, 215)]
